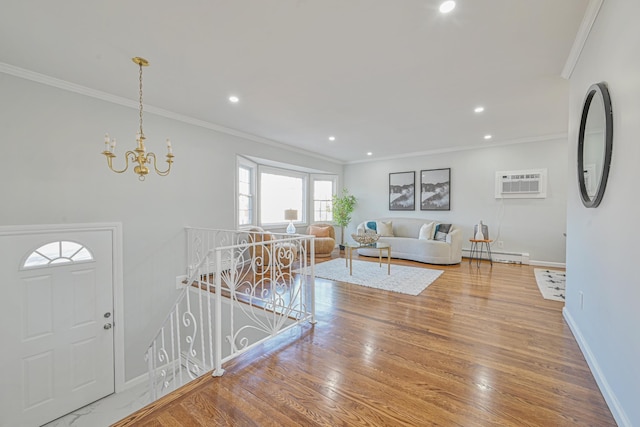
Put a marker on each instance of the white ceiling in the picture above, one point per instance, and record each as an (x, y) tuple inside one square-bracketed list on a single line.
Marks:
[(393, 77)]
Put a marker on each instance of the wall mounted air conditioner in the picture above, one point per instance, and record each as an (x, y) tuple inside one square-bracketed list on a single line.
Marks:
[(521, 184)]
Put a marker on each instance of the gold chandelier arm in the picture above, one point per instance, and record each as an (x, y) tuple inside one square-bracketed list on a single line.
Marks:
[(155, 164), (110, 156)]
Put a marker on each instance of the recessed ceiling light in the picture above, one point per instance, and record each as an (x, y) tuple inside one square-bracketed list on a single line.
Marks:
[(447, 6), (478, 109), (369, 153), (332, 138), (234, 99), (488, 137)]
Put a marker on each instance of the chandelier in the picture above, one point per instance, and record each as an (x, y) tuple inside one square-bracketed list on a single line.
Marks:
[(139, 155)]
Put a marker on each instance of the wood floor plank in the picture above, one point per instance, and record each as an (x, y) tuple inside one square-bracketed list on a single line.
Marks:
[(479, 347)]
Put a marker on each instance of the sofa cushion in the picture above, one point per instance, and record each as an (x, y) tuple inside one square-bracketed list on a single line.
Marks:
[(426, 231), (385, 228), (441, 232), (371, 225)]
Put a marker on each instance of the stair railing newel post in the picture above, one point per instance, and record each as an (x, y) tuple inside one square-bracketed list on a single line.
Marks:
[(312, 285), (217, 368)]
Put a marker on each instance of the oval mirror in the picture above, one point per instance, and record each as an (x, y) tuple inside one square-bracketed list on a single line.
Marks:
[(595, 142)]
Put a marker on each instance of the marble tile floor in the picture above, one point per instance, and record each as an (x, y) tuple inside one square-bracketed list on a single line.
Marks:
[(104, 412)]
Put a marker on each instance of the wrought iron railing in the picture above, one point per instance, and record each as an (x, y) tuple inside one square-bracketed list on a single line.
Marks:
[(243, 288)]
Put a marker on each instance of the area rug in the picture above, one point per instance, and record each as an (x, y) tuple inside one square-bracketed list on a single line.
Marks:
[(405, 280), (551, 283)]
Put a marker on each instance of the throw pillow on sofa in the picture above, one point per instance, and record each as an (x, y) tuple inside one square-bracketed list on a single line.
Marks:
[(441, 232), (385, 228), (426, 232), (319, 231), (371, 225)]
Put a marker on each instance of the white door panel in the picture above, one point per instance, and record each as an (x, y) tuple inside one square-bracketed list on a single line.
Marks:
[(57, 355)]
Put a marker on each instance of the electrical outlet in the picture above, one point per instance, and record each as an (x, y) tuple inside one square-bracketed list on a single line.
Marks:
[(180, 281), (500, 244)]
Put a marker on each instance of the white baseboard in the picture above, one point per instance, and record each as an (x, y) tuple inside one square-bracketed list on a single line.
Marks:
[(144, 378), (515, 258), (549, 264), (609, 396), (503, 257)]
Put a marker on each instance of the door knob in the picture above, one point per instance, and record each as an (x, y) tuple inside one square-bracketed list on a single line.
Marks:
[(107, 315), (107, 326)]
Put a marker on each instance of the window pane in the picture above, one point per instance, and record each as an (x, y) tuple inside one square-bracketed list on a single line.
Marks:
[(36, 259), (244, 210), (69, 248), (245, 196), (278, 193), (322, 194), (50, 250), (60, 252), (82, 255)]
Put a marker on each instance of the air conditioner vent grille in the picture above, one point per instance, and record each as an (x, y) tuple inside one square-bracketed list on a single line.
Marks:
[(521, 184)]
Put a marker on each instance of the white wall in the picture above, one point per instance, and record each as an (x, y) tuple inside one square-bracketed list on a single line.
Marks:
[(52, 172), (535, 226), (602, 242)]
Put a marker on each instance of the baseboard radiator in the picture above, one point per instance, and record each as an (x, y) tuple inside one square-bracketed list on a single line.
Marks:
[(501, 256)]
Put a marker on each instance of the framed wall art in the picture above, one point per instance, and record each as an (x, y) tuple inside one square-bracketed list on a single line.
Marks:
[(435, 190), (402, 189)]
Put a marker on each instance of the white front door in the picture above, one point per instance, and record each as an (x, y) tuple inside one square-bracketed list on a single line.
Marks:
[(56, 314)]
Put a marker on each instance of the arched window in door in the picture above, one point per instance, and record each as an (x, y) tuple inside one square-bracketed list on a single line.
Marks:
[(60, 252)]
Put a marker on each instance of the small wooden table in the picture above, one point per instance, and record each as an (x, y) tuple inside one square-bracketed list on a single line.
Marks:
[(349, 247), (475, 243)]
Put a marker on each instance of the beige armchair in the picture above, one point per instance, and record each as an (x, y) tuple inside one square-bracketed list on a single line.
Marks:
[(325, 240)]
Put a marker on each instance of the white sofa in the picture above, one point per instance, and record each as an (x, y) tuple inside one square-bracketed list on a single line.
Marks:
[(405, 243)]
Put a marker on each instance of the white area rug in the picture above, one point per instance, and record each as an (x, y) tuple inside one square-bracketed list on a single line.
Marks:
[(551, 283), (405, 280)]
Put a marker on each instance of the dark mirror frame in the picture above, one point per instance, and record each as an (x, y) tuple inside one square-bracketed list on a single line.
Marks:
[(598, 89)]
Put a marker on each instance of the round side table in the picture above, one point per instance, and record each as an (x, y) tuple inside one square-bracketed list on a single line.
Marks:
[(477, 248)]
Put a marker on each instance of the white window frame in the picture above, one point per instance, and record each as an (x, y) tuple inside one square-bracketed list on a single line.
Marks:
[(302, 218), (242, 162), (306, 216), (334, 186)]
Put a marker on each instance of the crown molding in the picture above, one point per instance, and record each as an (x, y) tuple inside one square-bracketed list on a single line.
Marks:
[(104, 96), (590, 15), (541, 138)]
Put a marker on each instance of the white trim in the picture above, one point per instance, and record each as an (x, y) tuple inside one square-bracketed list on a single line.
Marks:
[(118, 282), (242, 161), (590, 15), (270, 170), (312, 195), (541, 138), (548, 264), (134, 382), (609, 396), (104, 96)]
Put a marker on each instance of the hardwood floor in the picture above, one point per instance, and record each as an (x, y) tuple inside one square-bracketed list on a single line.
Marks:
[(479, 347)]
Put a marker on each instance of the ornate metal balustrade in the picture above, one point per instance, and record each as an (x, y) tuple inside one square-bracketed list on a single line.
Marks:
[(243, 288)]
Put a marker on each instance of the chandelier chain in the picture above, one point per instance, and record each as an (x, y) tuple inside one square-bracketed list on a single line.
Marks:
[(141, 133)]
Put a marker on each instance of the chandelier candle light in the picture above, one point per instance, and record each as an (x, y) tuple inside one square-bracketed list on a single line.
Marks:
[(139, 154)]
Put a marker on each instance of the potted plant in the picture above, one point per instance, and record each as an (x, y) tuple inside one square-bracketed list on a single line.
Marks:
[(342, 207)]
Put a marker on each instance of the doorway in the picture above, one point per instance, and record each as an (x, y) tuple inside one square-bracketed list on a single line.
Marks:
[(57, 312)]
